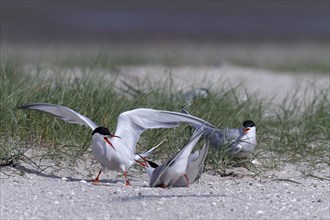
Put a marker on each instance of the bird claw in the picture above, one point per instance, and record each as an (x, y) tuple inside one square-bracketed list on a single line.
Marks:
[(96, 181), (127, 183)]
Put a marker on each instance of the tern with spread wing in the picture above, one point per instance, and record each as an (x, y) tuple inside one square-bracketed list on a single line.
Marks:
[(195, 166), (241, 141), (117, 151), (182, 169)]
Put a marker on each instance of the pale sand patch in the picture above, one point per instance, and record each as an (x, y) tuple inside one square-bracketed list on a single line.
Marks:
[(255, 83)]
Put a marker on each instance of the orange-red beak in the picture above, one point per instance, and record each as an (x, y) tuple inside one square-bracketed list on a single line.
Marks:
[(143, 164), (108, 141), (245, 130)]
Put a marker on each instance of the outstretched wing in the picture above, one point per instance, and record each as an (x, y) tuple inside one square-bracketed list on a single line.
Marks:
[(198, 164), (132, 123), (61, 112), (185, 152), (195, 166)]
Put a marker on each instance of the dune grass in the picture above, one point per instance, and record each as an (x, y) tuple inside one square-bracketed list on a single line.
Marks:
[(285, 132)]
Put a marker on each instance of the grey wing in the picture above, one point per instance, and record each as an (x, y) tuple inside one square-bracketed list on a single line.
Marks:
[(220, 138), (156, 174), (62, 112), (132, 123), (198, 164), (195, 166), (159, 171), (194, 156), (235, 148), (232, 137)]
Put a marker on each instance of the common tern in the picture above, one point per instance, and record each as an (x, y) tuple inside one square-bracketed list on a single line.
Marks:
[(182, 169), (117, 151), (241, 141)]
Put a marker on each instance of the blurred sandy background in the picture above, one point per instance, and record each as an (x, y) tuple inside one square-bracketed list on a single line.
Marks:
[(219, 36)]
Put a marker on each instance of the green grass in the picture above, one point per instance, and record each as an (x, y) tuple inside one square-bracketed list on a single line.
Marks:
[(285, 132)]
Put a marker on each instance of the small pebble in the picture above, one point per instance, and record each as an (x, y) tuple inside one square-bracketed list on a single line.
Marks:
[(259, 212)]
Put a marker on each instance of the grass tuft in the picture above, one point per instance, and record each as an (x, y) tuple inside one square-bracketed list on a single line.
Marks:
[(294, 131)]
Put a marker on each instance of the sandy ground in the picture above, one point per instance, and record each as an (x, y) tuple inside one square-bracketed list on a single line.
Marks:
[(281, 194), (278, 194)]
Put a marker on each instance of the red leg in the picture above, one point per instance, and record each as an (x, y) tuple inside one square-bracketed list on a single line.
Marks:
[(97, 180), (187, 180), (126, 180)]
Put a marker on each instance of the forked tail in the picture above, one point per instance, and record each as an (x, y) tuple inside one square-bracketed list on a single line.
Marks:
[(149, 152)]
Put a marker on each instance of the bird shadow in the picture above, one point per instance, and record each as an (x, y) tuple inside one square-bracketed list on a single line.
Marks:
[(22, 170), (140, 197)]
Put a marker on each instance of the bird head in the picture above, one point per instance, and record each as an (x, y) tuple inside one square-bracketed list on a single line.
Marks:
[(248, 126), (106, 135)]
